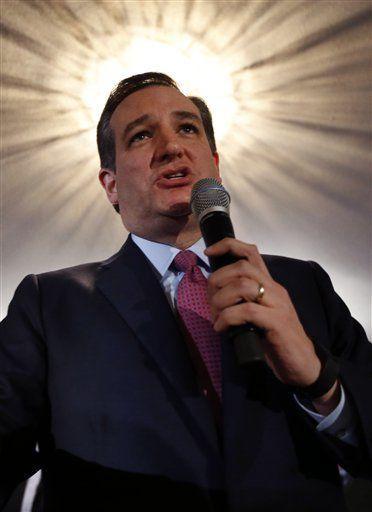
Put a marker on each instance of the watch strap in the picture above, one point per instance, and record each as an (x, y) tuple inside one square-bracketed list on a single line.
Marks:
[(330, 369)]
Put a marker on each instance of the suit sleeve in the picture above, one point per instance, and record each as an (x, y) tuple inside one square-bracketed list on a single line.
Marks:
[(22, 387), (350, 344)]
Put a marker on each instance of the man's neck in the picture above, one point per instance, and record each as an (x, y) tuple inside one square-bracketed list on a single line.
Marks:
[(177, 234)]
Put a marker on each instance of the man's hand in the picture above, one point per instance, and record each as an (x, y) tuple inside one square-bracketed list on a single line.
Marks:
[(232, 291)]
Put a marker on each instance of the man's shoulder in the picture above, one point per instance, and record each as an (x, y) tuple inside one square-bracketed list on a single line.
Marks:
[(276, 261), (83, 273), (292, 271), (86, 276), (74, 272)]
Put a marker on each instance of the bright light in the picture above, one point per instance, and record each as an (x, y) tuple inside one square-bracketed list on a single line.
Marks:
[(196, 69)]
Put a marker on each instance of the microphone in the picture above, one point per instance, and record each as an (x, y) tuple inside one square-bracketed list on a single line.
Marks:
[(210, 203)]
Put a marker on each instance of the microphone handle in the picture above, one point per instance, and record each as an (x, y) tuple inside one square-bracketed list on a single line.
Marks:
[(215, 226)]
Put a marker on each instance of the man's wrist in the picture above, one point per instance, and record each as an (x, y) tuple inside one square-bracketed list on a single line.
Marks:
[(328, 402), (324, 387)]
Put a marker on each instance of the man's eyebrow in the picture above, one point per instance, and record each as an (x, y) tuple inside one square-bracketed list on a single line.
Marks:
[(135, 123), (185, 114), (179, 114)]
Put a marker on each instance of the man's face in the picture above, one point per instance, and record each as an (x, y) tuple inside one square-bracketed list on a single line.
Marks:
[(161, 151)]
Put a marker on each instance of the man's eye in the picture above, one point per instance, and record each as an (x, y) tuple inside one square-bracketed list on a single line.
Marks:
[(189, 128), (139, 136)]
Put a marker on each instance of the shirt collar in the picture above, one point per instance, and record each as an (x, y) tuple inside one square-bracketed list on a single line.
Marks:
[(162, 255)]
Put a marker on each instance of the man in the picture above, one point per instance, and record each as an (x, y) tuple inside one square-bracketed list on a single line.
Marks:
[(100, 367)]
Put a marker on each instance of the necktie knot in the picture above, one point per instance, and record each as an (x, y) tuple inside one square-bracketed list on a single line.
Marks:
[(185, 260)]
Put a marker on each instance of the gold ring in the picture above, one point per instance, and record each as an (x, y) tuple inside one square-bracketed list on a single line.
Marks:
[(260, 292)]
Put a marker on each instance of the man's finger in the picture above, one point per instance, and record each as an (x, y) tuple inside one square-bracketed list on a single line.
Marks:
[(239, 249), (243, 313), (237, 291), (241, 269)]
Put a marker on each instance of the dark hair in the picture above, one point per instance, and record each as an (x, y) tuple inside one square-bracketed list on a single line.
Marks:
[(105, 136)]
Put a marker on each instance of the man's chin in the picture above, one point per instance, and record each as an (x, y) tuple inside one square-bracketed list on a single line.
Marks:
[(179, 210)]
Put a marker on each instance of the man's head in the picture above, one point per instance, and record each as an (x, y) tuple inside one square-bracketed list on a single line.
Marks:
[(105, 136), (148, 131)]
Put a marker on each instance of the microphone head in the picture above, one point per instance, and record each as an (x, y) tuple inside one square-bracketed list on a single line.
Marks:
[(209, 195)]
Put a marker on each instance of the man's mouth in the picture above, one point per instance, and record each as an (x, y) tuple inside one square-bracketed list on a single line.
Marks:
[(175, 175), (175, 178)]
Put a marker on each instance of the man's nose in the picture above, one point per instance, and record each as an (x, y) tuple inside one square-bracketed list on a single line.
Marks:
[(169, 147)]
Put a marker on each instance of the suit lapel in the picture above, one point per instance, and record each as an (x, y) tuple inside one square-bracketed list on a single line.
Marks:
[(131, 285), (129, 282)]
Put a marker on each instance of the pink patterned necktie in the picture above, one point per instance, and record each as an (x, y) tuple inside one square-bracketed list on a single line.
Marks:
[(194, 310)]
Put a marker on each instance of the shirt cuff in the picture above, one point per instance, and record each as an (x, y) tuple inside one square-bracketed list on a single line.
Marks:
[(340, 422)]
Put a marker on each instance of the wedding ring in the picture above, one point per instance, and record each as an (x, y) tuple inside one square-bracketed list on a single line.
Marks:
[(260, 292)]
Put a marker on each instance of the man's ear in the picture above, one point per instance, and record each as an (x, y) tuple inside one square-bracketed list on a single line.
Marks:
[(107, 178), (216, 159)]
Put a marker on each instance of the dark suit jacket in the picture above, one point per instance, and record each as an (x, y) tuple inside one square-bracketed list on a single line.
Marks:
[(95, 370)]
